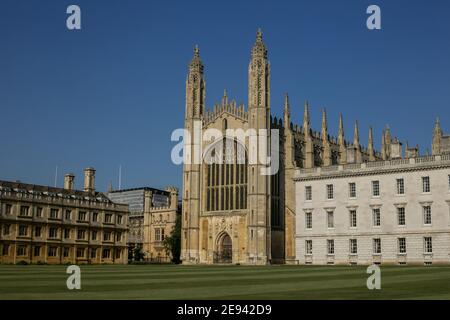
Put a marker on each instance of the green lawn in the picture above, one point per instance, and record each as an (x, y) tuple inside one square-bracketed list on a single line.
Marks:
[(223, 282)]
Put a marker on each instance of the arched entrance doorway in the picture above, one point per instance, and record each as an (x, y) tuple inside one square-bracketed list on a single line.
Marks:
[(224, 253)]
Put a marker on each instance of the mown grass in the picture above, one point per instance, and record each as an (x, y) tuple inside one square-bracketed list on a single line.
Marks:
[(163, 282)]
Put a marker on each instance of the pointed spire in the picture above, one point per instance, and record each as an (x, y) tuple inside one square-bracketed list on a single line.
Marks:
[(387, 142), (437, 137), (196, 63), (259, 35), (383, 146), (287, 112), (196, 51), (341, 139), (225, 98), (306, 122), (324, 125), (370, 147), (309, 147), (326, 156), (356, 145), (437, 127), (286, 103), (356, 135), (388, 135), (195, 87), (341, 142), (407, 151), (259, 49), (110, 187)]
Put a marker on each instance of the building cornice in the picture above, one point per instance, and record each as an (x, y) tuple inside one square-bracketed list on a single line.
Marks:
[(374, 168)]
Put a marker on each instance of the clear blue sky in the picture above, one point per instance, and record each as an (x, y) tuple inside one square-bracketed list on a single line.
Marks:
[(112, 93)]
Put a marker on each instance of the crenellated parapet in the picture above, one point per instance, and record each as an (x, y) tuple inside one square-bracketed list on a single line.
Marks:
[(375, 167), (230, 108)]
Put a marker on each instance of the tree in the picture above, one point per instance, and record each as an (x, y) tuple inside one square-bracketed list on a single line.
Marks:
[(172, 243), (138, 255)]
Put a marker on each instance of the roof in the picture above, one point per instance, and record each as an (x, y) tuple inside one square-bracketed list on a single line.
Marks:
[(34, 188), (154, 190)]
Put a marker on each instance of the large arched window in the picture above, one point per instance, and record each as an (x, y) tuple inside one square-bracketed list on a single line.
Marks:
[(226, 182)]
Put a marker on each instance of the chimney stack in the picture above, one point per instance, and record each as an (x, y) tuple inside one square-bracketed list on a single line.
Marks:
[(68, 181), (89, 180)]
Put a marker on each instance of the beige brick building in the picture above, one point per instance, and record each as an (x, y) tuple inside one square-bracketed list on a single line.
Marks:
[(394, 211), (40, 224), (153, 213)]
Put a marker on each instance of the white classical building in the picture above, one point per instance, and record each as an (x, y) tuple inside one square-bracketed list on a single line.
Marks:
[(393, 212)]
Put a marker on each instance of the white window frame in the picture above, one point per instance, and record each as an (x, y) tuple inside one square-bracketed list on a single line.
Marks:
[(427, 244), (39, 212), (426, 184), (157, 234), (80, 250), (353, 243), (352, 190), (22, 227), (353, 219), (330, 222), (108, 218), (376, 247), (107, 236), (308, 247), (376, 217), (21, 250), (330, 246), (50, 233), (52, 251), (427, 215), (82, 215), (66, 233), (400, 186), (308, 220), (401, 247), (81, 234), (377, 184), (308, 193), (330, 191), (24, 211), (399, 209), (52, 211)]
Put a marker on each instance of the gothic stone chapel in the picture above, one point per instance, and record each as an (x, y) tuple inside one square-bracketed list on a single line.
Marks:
[(231, 212)]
